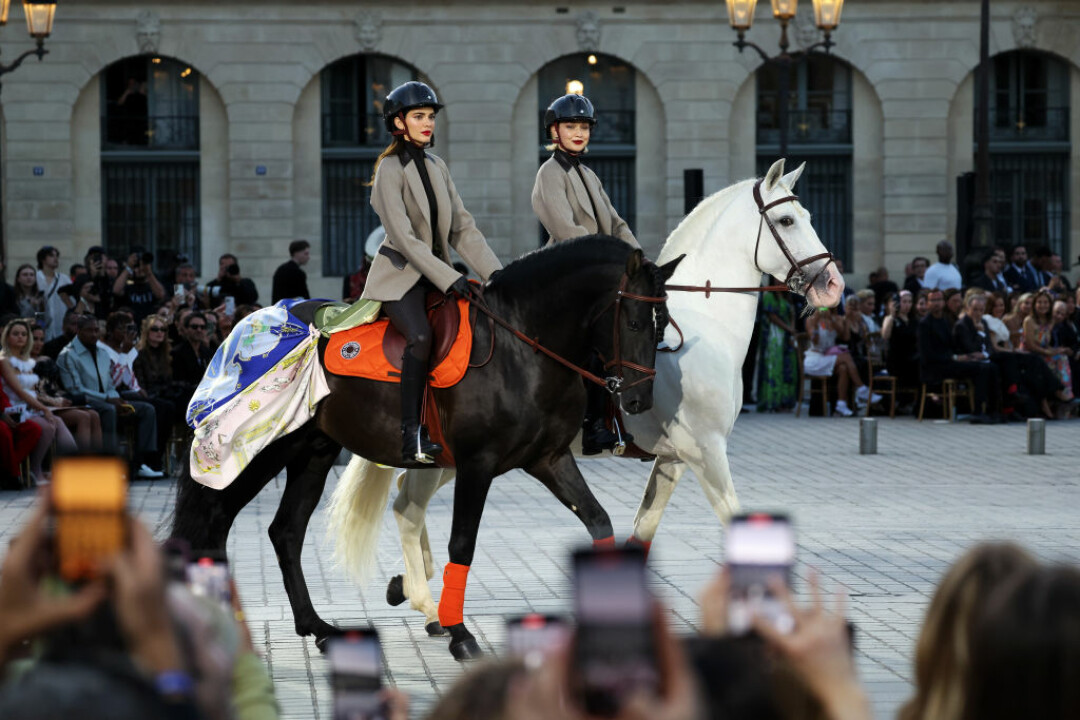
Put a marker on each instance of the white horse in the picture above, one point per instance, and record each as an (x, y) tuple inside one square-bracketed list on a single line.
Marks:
[(730, 239)]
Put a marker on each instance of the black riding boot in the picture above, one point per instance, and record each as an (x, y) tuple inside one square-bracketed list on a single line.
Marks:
[(416, 446), (595, 437)]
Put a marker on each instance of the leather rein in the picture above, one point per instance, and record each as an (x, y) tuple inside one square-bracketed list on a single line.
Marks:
[(796, 280), (613, 384)]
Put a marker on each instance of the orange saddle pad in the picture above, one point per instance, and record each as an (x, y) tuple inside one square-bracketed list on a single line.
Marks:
[(374, 351)]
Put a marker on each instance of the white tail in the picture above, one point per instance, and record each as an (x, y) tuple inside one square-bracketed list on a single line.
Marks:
[(356, 515)]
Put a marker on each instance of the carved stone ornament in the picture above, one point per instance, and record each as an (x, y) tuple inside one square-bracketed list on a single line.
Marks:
[(805, 31), (588, 32), (148, 31), (368, 31), (1024, 21)]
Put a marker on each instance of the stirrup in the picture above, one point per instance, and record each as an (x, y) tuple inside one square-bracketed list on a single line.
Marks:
[(420, 447)]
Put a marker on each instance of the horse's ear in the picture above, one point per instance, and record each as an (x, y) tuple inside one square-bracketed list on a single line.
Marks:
[(668, 268), (793, 177), (634, 262), (776, 172)]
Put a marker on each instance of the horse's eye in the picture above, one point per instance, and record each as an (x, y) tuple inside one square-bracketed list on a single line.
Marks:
[(787, 221), (634, 326)]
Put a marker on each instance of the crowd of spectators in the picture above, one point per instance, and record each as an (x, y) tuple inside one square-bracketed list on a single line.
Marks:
[(1000, 639), (114, 343), (1010, 332)]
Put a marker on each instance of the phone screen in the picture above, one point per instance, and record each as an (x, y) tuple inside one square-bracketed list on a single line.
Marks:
[(88, 498), (208, 577), (356, 662), (758, 547), (531, 637), (615, 646)]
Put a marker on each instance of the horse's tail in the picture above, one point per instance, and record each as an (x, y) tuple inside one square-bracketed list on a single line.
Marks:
[(356, 515)]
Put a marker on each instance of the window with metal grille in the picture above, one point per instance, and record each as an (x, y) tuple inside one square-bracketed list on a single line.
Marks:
[(609, 83), (1030, 150), (353, 136), (818, 133), (150, 158)]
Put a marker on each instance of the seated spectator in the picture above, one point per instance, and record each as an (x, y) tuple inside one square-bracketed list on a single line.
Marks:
[(1014, 320), (1038, 336), (938, 361), (29, 300), (989, 280), (858, 332), (868, 309), (825, 357), (119, 347), (1019, 273), (190, 358), (17, 441), (898, 332), (85, 370), (83, 422), (153, 368), (136, 286), (954, 305), (943, 275), (53, 347), (943, 652), (996, 309), (1066, 334), (913, 283), (20, 386), (922, 307)]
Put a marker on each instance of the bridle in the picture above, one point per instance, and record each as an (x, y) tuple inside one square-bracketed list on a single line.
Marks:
[(613, 384), (796, 279)]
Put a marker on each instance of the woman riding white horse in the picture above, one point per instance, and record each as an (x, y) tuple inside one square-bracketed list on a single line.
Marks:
[(730, 239)]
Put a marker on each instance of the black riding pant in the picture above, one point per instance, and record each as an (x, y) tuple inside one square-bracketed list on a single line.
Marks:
[(409, 316)]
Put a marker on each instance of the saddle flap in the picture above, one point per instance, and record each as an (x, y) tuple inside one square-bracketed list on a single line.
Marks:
[(444, 316)]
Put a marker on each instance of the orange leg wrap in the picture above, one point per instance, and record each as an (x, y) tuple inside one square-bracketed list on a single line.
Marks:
[(452, 601), (607, 543), (634, 542)]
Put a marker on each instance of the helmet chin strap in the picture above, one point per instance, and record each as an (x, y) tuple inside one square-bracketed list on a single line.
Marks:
[(559, 142), (405, 133)]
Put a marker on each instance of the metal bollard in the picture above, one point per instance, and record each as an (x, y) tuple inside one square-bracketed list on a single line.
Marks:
[(1036, 436), (868, 436)]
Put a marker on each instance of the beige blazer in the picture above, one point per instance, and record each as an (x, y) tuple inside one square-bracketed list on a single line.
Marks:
[(561, 202), (405, 254)]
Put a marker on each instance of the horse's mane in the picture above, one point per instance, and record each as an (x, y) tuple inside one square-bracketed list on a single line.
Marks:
[(533, 272), (697, 223)]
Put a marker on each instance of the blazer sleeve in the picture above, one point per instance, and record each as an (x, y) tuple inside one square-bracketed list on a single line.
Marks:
[(551, 203), (964, 341), (465, 237), (388, 199), (619, 228)]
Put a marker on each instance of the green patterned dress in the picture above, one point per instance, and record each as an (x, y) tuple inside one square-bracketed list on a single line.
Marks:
[(778, 371)]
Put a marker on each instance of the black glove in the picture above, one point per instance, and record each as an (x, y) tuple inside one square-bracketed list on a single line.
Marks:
[(461, 286)]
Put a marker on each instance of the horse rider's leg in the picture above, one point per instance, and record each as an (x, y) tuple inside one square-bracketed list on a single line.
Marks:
[(409, 509), (470, 494), (560, 475), (714, 474), (665, 475), (303, 488)]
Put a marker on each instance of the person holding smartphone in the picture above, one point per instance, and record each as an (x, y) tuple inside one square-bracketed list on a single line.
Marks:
[(137, 286)]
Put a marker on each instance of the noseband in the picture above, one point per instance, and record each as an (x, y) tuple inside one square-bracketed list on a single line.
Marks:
[(615, 384), (796, 279)]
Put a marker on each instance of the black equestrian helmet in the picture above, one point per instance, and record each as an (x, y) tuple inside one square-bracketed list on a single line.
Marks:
[(570, 108), (405, 97)]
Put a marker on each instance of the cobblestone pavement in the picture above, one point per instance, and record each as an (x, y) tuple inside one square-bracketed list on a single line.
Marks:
[(883, 527)]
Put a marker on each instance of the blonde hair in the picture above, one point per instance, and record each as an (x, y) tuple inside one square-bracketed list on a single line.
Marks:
[(144, 335), (25, 354)]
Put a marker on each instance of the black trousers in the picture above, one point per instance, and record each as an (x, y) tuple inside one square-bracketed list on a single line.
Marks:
[(984, 377), (409, 316)]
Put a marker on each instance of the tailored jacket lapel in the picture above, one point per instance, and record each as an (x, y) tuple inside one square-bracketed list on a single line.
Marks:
[(446, 207), (582, 194), (416, 187)]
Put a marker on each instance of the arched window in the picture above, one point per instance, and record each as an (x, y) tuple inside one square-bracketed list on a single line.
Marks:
[(609, 83), (353, 135), (819, 133), (150, 157), (1029, 150)]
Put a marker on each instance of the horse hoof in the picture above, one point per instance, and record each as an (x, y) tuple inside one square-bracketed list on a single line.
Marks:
[(320, 643), (466, 650), (395, 591), (435, 629)]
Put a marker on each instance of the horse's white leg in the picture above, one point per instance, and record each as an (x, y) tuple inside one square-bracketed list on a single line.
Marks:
[(410, 508), (662, 481), (714, 474)]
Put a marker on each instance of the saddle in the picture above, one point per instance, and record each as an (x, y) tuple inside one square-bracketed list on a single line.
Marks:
[(373, 351)]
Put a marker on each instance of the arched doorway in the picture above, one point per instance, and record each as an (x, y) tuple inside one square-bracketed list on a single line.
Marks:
[(353, 135), (819, 133), (150, 157), (610, 84)]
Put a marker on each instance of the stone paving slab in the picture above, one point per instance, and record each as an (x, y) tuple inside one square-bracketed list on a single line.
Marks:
[(882, 527)]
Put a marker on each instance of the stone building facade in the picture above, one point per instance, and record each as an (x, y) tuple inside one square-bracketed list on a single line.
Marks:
[(895, 120)]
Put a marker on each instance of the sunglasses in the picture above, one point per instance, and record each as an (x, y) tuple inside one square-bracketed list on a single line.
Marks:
[(156, 328), (196, 327)]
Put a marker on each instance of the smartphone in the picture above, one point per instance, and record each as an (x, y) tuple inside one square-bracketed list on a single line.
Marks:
[(758, 547), (208, 576), (356, 665), (230, 305), (531, 637), (178, 290), (614, 650), (89, 495)]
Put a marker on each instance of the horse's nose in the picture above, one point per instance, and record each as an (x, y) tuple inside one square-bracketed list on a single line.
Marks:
[(633, 406)]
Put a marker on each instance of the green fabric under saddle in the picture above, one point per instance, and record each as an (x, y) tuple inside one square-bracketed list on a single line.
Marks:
[(335, 317)]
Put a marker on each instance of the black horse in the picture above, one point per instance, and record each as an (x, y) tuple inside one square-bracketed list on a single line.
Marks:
[(519, 410)]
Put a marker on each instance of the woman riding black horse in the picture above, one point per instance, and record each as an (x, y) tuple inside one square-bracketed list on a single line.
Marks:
[(423, 216), (561, 183)]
